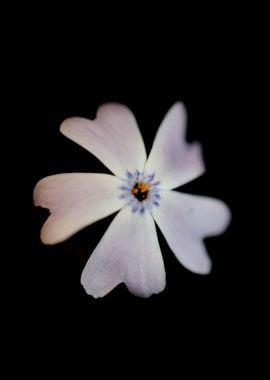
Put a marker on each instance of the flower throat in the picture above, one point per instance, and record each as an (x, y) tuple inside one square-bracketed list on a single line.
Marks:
[(140, 190)]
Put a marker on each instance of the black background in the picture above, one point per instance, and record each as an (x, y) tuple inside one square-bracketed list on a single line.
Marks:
[(55, 271), (71, 74), (60, 266)]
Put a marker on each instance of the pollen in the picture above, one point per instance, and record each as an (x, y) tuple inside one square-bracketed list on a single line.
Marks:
[(140, 190)]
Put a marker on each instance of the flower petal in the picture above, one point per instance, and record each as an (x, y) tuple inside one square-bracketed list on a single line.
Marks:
[(173, 160), (185, 220), (75, 200), (113, 137), (129, 252)]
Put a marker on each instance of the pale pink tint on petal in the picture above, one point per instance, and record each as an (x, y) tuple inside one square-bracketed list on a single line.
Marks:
[(173, 160), (185, 220), (75, 200), (129, 252), (113, 137)]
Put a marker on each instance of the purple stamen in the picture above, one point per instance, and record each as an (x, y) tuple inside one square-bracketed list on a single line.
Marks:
[(137, 174), (124, 188), (151, 177), (129, 175)]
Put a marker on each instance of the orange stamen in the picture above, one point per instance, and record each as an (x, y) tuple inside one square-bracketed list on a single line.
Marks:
[(140, 187), (143, 187)]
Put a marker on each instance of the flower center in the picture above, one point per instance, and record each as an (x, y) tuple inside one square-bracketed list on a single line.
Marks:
[(140, 190)]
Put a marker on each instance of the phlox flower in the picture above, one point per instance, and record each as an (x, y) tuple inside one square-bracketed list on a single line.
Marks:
[(141, 190)]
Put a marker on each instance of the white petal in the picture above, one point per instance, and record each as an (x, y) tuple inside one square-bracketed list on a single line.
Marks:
[(129, 252), (173, 160), (113, 137), (185, 220), (75, 200)]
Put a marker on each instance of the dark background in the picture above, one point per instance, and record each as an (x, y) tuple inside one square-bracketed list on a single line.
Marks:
[(55, 271), (72, 72)]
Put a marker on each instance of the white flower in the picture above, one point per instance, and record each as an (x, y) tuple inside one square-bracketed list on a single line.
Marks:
[(141, 189)]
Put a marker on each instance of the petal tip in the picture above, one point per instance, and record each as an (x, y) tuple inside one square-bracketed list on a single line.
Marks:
[(224, 217), (91, 292), (180, 108), (227, 216), (37, 194), (180, 105), (142, 293), (49, 235), (67, 124), (46, 238), (90, 286), (205, 269)]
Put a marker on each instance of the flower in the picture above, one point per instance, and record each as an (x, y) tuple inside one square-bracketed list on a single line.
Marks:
[(141, 190)]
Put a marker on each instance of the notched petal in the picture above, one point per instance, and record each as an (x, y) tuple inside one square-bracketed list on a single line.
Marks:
[(113, 137), (128, 252), (185, 220), (75, 201), (174, 160)]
